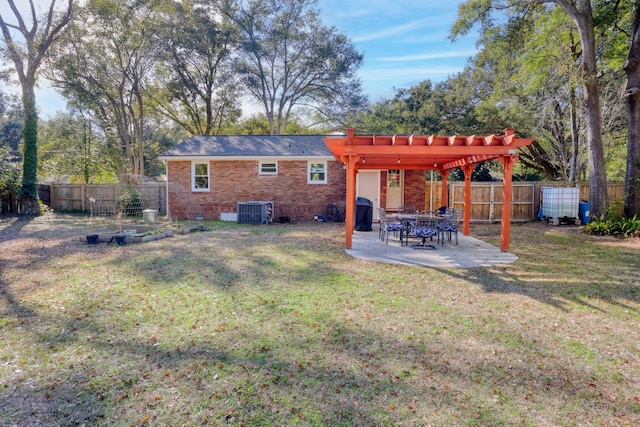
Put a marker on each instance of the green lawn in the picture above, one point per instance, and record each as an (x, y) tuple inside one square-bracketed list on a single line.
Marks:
[(275, 325)]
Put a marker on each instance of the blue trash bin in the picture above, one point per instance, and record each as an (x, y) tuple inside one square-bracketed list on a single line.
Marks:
[(583, 211)]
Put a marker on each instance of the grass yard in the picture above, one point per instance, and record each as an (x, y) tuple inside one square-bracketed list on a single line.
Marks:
[(276, 326)]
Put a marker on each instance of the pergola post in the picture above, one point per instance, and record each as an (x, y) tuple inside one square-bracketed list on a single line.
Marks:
[(505, 235), (468, 170), (350, 160), (351, 198), (445, 175)]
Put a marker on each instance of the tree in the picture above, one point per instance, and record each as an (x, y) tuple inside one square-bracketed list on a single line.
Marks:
[(549, 80), (201, 93), (581, 13), (384, 116), (632, 93), (69, 149), (446, 108), (11, 123), (258, 124), (481, 173), (9, 174), (551, 59), (288, 59), (27, 57), (105, 67), (10, 130)]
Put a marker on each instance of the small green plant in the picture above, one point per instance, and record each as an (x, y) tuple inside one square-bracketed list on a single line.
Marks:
[(129, 201), (630, 227), (153, 232), (610, 224)]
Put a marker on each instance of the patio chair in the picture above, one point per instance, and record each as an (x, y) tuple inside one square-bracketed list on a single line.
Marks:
[(425, 227), (387, 225), (447, 226)]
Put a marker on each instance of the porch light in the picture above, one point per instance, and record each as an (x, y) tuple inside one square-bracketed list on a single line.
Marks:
[(398, 159)]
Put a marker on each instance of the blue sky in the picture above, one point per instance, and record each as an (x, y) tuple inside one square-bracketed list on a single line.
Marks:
[(404, 42)]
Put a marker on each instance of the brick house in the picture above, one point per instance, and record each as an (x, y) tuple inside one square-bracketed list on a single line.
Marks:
[(208, 176)]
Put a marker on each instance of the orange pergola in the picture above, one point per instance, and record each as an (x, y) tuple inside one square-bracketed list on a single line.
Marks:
[(432, 152)]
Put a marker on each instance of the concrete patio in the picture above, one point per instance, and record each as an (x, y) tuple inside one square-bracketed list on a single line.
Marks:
[(469, 253)]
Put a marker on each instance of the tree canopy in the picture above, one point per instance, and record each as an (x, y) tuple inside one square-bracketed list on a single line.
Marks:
[(287, 58)]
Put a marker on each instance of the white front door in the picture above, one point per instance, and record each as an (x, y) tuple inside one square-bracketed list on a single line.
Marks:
[(395, 186), (368, 186)]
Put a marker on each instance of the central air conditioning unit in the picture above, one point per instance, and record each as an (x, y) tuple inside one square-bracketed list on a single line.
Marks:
[(255, 212)]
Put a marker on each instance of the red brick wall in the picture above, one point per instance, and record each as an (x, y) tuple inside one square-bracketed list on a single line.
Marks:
[(238, 181), (414, 189)]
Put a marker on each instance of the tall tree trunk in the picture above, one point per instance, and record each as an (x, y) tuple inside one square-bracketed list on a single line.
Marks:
[(597, 172), (632, 68), (583, 19), (573, 172), (86, 144), (30, 204)]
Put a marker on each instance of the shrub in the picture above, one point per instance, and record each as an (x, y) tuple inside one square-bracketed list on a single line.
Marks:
[(610, 225), (129, 201), (10, 174)]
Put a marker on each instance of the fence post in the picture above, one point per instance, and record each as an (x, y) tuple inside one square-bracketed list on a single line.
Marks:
[(492, 201), (83, 192), (52, 192)]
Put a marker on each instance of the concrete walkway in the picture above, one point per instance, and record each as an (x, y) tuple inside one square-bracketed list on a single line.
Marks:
[(469, 253)]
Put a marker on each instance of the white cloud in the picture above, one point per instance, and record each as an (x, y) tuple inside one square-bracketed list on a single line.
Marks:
[(411, 73), (393, 31), (428, 56)]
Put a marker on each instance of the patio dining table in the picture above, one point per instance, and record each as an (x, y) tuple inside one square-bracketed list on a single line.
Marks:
[(410, 221)]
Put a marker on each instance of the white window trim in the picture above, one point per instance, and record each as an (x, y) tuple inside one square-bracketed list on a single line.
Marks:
[(261, 162), (309, 163), (193, 176)]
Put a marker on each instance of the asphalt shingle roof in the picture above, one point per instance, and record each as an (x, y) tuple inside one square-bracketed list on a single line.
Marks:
[(251, 146)]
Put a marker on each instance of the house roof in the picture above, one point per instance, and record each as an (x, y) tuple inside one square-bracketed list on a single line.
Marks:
[(294, 146)]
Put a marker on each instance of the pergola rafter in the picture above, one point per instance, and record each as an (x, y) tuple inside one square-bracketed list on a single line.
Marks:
[(427, 152)]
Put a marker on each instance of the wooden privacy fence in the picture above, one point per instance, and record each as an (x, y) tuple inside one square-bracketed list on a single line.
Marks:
[(107, 199), (486, 198)]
